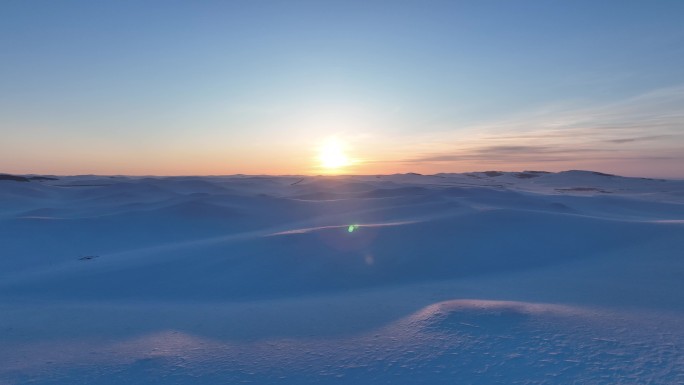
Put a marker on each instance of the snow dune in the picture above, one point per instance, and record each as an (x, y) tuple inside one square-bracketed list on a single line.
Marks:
[(452, 278)]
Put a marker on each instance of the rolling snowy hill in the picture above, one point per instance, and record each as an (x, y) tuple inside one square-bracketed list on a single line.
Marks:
[(477, 278)]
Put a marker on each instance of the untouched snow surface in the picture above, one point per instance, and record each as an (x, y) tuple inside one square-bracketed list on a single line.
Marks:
[(481, 278)]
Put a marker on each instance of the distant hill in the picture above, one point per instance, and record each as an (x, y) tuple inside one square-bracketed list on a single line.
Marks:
[(14, 178), (17, 178)]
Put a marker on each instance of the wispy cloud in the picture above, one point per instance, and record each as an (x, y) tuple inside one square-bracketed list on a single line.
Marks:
[(638, 139), (648, 127), (506, 153)]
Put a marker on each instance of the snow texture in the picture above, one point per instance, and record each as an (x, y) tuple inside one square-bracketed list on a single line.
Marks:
[(480, 278)]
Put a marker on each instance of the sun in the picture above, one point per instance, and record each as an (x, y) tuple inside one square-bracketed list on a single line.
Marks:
[(331, 155)]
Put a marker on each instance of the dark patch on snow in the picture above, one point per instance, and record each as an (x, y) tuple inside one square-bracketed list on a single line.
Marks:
[(560, 206), (393, 192), (601, 174), (14, 178), (526, 175), (320, 196), (80, 185), (493, 173), (587, 173), (87, 257), (583, 189), (42, 178)]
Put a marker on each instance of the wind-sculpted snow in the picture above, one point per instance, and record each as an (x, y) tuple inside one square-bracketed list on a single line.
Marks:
[(478, 278), (463, 341), (237, 264)]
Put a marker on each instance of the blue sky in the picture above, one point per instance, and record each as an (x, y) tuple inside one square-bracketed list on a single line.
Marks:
[(219, 87)]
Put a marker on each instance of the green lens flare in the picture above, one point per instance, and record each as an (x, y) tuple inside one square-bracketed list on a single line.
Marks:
[(351, 228)]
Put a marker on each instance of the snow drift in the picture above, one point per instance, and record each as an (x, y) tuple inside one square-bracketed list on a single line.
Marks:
[(115, 278)]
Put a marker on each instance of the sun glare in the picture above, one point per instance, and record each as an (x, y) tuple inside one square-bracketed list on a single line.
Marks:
[(332, 156)]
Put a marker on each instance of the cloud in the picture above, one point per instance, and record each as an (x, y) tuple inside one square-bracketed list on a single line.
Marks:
[(648, 127), (506, 153), (638, 139)]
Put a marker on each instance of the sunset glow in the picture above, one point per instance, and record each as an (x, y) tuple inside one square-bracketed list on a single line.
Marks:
[(422, 90), (332, 156)]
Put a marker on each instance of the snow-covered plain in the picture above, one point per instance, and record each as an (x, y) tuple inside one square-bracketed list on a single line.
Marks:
[(481, 278)]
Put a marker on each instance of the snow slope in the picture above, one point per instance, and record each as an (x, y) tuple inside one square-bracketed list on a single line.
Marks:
[(482, 278)]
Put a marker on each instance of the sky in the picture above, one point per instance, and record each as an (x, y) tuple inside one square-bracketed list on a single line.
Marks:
[(263, 87)]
